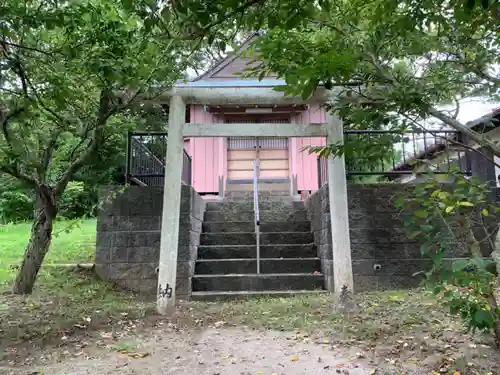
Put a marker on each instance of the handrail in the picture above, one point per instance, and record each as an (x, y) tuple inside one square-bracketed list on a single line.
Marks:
[(148, 151), (256, 211)]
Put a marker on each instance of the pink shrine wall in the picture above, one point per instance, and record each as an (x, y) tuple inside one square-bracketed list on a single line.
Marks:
[(209, 154), (303, 164)]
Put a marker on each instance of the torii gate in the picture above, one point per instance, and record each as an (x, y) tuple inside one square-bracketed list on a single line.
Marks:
[(180, 95)]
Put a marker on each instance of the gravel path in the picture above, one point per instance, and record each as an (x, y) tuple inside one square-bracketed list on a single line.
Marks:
[(209, 352)]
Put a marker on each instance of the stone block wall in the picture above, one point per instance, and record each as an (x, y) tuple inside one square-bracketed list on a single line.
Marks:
[(382, 255), (128, 238)]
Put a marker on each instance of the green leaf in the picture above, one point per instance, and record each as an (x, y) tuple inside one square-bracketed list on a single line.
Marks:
[(459, 265), (399, 202), (426, 227), (211, 39), (222, 46), (449, 209), (309, 88), (423, 249), (481, 263), (414, 234), (485, 212), (443, 195), (435, 193), (465, 204), (483, 319), (420, 213)]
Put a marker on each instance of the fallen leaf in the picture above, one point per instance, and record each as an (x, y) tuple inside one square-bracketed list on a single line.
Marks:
[(339, 365), (294, 358), (219, 324), (138, 355), (373, 371), (457, 373)]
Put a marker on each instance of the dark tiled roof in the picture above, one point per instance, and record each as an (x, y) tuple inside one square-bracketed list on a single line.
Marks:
[(480, 125)]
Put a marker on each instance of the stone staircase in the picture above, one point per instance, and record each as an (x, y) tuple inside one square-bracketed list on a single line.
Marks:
[(227, 266)]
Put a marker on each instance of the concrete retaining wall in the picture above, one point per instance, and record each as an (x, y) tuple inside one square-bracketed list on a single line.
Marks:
[(128, 238), (383, 257)]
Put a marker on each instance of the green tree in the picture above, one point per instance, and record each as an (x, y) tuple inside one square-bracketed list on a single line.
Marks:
[(391, 64), (71, 72), (451, 220)]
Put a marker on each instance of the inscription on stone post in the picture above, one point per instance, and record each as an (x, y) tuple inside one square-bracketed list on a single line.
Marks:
[(165, 292)]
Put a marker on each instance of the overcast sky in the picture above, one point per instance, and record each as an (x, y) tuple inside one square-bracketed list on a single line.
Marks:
[(473, 108)]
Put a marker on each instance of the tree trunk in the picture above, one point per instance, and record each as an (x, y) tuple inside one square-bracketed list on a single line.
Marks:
[(495, 255), (39, 242)]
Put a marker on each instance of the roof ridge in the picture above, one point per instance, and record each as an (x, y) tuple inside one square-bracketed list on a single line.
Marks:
[(229, 58)]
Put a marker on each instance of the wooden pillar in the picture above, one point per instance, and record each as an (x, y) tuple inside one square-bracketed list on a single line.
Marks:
[(169, 244), (337, 189)]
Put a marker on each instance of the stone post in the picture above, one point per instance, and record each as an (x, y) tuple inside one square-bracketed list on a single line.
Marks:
[(337, 191), (169, 243)]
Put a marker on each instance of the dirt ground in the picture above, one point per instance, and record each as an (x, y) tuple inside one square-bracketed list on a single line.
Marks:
[(211, 351), (393, 333)]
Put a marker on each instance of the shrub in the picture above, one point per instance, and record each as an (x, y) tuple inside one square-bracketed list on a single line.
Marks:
[(77, 201), (15, 206)]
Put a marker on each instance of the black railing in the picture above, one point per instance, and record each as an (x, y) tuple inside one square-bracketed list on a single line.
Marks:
[(391, 154), (384, 153), (146, 159)]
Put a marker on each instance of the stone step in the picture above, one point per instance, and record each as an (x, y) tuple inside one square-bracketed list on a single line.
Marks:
[(243, 194), (239, 295), (249, 226), (268, 205), (244, 266), (248, 215), (262, 185), (250, 251), (244, 198), (282, 238), (261, 282)]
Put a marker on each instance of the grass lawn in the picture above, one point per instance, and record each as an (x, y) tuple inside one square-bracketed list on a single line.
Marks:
[(62, 297), (77, 246)]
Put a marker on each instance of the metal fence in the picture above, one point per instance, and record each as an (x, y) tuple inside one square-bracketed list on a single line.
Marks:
[(391, 154), (146, 159), (383, 153)]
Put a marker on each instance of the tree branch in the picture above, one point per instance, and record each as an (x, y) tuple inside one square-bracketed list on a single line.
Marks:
[(20, 46), (14, 172), (477, 71), (477, 137), (47, 155), (4, 121), (457, 109), (448, 120), (454, 141), (104, 112)]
